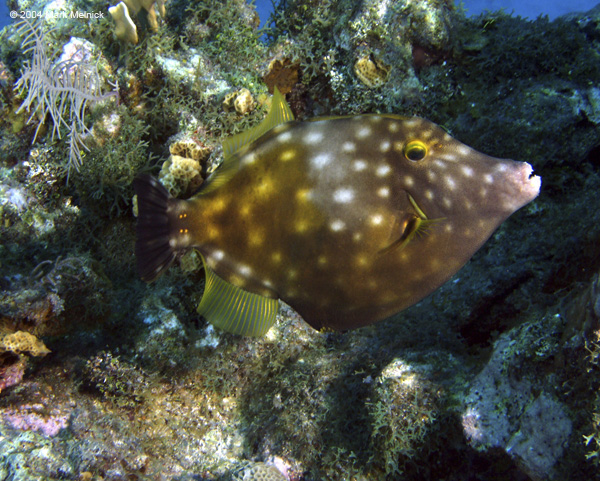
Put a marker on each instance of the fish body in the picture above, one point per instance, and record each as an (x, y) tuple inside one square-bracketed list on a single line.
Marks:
[(348, 220)]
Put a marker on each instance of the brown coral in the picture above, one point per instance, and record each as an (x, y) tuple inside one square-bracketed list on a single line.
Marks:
[(189, 149), (282, 74), (371, 71), (181, 172), (150, 6)]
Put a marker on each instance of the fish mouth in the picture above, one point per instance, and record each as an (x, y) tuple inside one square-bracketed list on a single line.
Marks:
[(531, 183)]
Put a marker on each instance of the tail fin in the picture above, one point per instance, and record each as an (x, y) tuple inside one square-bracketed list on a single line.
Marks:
[(152, 249)]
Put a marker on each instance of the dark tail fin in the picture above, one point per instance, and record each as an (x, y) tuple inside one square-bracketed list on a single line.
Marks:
[(152, 249)]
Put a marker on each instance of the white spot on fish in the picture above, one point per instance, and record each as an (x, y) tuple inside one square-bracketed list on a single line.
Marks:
[(449, 157), (411, 123), (284, 137), (363, 132), (448, 228), (450, 182), (313, 137), (343, 195), (488, 178), (429, 194), (337, 225), (383, 192), (218, 255), (250, 158), (348, 147), (359, 165), (431, 175), (447, 202), (245, 270), (426, 134), (320, 161), (467, 171), (463, 150), (376, 219), (440, 164), (394, 127), (409, 181), (383, 170), (385, 146), (357, 237)]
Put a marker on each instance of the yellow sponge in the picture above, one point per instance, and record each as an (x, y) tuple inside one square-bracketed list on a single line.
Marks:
[(21, 341)]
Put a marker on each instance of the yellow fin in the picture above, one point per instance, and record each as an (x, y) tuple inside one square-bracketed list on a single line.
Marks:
[(279, 113), (235, 310)]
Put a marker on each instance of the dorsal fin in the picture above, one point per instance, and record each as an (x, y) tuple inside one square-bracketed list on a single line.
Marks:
[(235, 310), (279, 113)]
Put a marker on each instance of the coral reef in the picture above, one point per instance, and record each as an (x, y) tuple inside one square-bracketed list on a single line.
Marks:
[(508, 408), (494, 376), (398, 432)]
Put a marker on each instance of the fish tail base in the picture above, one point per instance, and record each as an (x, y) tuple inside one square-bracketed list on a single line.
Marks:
[(153, 251)]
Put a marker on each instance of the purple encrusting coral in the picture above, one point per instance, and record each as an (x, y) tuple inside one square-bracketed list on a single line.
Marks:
[(12, 373), (32, 417), (494, 376)]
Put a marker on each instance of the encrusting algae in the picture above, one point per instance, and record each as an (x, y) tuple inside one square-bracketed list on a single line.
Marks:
[(348, 220)]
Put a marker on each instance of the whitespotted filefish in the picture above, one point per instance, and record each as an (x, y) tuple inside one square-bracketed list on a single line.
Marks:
[(348, 219)]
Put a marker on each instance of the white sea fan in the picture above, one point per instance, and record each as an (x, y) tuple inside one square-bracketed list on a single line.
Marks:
[(61, 89)]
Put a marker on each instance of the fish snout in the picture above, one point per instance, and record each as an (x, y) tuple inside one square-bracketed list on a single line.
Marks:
[(521, 184)]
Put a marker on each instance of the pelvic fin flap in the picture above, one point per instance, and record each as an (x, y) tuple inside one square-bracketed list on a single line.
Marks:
[(235, 310)]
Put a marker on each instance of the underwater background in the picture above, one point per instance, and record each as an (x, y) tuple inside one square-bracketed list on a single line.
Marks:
[(495, 376)]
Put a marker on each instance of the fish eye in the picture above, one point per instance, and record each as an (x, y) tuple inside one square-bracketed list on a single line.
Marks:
[(415, 150)]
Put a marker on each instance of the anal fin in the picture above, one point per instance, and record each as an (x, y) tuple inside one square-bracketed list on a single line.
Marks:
[(235, 310)]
